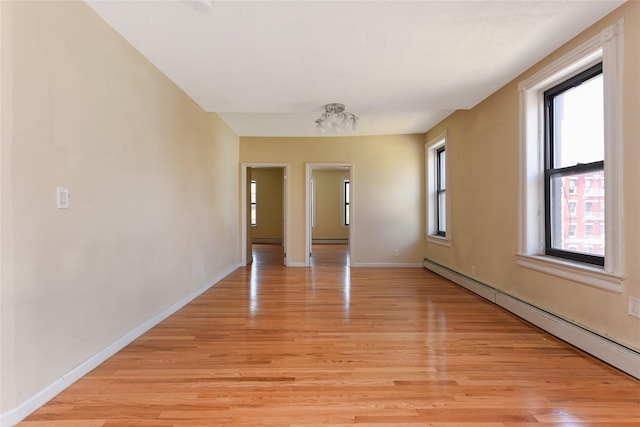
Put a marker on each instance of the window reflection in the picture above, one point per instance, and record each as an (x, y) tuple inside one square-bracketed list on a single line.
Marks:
[(253, 290), (346, 291)]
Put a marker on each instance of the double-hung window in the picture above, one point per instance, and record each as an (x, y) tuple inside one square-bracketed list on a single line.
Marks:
[(574, 158), (438, 199), (441, 192), (571, 161)]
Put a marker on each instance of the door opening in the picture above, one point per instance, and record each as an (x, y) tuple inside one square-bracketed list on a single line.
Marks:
[(264, 214), (329, 214)]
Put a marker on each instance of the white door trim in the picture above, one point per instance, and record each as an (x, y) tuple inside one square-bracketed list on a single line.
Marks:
[(310, 168), (243, 210)]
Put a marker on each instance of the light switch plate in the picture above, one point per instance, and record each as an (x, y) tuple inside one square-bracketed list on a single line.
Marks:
[(634, 307), (63, 197)]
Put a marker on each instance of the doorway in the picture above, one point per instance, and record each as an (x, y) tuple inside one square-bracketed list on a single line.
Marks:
[(264, 213), (329, 205)]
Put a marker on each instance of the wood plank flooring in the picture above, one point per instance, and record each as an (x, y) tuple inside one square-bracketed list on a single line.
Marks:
[(329, 254), (322, 255), (267, 254), (276, 346)]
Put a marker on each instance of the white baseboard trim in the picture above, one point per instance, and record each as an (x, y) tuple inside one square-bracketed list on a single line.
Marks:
[(24, 409), (386, 264), (329, 241), (369, 264), (267, 240), (611, 352)]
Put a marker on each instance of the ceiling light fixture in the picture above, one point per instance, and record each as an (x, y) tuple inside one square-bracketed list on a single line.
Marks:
[(334, 119)]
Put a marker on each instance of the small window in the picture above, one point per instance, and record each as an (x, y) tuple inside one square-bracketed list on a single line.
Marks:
[(572, 208), (438, 198), (588, 185), (347, 202), (441, 192), (588, 231), (574, 129), (588, 207), (254, 204)]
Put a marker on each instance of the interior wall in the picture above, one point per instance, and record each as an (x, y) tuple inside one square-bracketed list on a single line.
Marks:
[(329, 189), (484, 184), (151, 219), (269, 205), (387, 191)]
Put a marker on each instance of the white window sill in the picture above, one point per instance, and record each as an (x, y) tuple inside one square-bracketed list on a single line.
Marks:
[(575, 271), (438, 240)]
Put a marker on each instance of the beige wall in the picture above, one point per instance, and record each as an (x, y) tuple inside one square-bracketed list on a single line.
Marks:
[(329, 189), (387, 188), (152, 216), (483, 186), (269, 202)]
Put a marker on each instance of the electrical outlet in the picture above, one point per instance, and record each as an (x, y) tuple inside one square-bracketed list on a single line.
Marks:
[(473, 269), (634, 307), (396, 252)]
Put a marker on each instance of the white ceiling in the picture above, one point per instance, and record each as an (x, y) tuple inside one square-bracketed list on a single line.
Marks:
[(269, 67)]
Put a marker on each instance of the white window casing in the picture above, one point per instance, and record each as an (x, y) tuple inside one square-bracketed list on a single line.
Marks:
[(606, 47), (431, 149)]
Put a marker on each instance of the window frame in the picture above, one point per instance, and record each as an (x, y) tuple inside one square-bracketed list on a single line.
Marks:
[(437, 144), (605, 47), (550, 171)]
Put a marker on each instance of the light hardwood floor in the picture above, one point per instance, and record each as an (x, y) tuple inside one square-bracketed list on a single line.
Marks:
[(267, 254), (331, 254), (276, 346), (322, 255)]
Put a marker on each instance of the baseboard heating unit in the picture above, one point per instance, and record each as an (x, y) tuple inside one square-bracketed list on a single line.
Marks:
[(615, 354)]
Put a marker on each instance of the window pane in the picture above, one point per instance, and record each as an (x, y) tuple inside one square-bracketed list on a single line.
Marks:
[(572, 213), (578, 123), (442, 212), (442, 169), (253, 191), (346, 215), (253, 215), (346, 192)]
